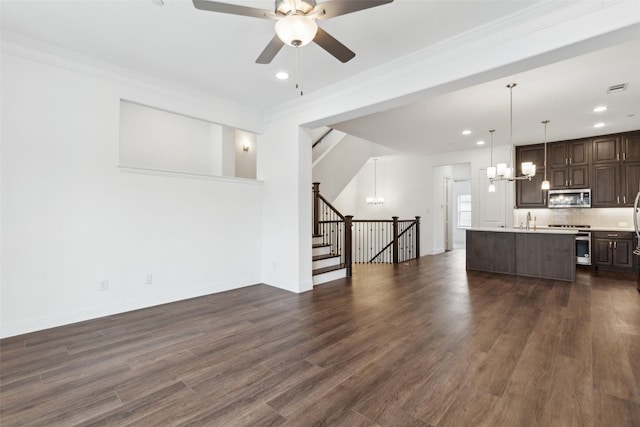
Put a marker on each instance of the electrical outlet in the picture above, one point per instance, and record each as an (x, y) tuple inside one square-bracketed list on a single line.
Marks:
[(104, 285), (149, 279)]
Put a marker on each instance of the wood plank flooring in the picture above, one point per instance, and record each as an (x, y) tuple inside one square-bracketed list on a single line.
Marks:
[(419, 344)]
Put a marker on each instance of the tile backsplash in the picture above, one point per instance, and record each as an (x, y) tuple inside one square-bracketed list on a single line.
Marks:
[(595, 217)]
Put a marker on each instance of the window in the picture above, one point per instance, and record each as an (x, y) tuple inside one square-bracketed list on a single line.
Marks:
[(464, 211)]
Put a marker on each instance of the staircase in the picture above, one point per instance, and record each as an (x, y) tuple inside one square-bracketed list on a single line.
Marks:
[(326, 265)]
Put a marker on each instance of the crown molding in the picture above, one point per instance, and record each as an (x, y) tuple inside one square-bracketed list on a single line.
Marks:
[(219, 109)]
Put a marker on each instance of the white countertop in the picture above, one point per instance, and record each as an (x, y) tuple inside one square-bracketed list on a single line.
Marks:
[(541, 230)]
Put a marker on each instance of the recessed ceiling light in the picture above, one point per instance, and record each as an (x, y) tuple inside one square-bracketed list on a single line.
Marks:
[(598, 125), (281, 75), (481, 142), (466, 132), (158, 2), (600, 109)]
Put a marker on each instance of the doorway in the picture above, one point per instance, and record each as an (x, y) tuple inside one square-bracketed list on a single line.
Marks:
[(454, 216)]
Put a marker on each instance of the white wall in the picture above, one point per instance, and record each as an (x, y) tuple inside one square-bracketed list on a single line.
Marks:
[(245, 161), (285, 168), (411, 187), (342, 162), (71, 218)]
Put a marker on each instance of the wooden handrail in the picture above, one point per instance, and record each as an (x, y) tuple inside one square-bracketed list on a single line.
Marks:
[(335, 211), (400, 221)]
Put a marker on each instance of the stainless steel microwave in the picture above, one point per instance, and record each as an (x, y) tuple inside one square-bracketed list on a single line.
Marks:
[(569, 198)]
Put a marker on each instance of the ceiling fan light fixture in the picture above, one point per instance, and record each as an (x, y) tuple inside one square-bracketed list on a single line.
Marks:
[(296, 30), (283, 7)]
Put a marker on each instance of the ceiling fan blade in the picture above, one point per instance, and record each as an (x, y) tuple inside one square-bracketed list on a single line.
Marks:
[(333, 46), (270, 51), (332, 8), (233, 9)]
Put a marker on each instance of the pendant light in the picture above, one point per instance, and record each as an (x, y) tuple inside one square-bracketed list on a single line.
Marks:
[(375, 199), (503, 172), (545, 183)]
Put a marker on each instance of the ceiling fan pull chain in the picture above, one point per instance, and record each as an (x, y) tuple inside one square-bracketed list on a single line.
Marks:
[(298, 73)]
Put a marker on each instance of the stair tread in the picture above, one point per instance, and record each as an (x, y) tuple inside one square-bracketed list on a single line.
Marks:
[(316, 235), (327, 269), (321, 257), (320, 245)]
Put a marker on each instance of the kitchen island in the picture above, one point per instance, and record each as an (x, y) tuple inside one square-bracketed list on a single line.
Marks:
[(546, 253)]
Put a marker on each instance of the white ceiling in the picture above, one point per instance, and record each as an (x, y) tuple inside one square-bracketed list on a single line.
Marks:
[(214, 54), (564, 92)]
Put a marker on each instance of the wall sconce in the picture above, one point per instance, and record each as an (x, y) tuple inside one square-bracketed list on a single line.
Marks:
[(245, 146)]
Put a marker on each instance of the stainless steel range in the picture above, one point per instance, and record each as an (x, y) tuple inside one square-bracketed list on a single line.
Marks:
[(583, 242)]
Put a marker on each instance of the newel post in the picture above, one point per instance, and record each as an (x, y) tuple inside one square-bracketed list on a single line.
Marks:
[(316, 208), (417, 237), (348, 221), (395, 239)]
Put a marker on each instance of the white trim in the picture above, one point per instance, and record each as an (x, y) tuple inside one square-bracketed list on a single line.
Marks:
[(61, 319), (173, 174)]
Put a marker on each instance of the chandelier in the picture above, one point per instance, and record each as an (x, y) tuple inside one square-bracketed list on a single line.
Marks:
[(375, 199), (501, 172)]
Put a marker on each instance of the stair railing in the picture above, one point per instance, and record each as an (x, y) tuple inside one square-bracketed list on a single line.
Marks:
[(334, 228), (364, 241), (386, 241)]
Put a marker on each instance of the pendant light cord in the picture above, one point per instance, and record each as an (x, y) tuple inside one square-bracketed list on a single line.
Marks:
[(511, 86), (375, 178), (491, 131), (545, 148)]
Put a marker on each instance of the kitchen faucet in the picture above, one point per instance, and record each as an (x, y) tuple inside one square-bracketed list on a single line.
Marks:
[(528, 219)]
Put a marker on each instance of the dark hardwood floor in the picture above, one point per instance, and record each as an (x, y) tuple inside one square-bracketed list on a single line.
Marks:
[(421, 344)]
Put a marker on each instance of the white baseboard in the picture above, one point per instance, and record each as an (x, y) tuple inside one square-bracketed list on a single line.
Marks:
[(60, 319)]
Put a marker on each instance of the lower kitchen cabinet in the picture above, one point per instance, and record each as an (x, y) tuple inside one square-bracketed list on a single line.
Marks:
[(523, 253), (613, 250)]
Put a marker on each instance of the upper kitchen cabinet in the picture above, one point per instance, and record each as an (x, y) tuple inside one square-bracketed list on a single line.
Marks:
[(616, 170), (606, 149), (568, 164), (630, 146), (529, 193)]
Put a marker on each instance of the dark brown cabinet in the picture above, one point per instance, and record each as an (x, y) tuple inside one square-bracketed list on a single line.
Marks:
[(568, 164), (631, 146), (606, 149), (613, 250), (529, 193), (609, 165), (616, 170), (569, 177), (522, 253), (482, 247)]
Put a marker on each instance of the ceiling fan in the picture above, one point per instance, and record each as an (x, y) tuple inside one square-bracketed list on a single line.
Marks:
[(296, 22)]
